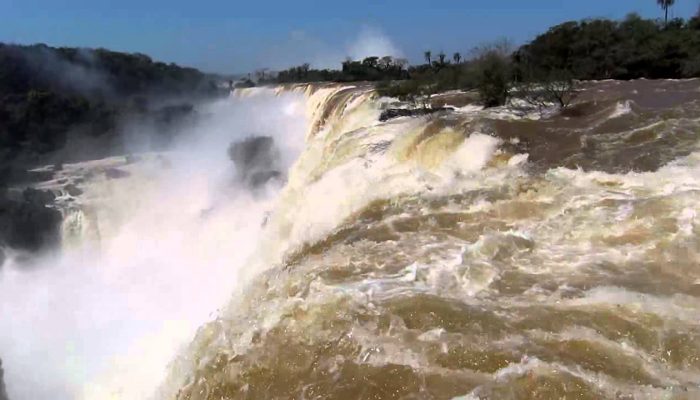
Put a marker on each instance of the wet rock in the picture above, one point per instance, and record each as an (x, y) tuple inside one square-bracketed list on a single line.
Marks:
[(38, 176), (19, 174), (73, 190), (26, 223), (5, 176), (392, 113), (173, 114), (256, 159), (38, 197), (582, 109), (169, 121), (115, 173), (3, 392), (259, 178), (244, 84), (252, 152)]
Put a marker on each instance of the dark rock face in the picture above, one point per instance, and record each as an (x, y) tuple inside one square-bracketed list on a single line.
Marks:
[(392, 113), (115, 173), (14, 174), (259, 178), (27, 223), (73, 190), (38, 197), (3, 392), (173, 114), (256, 159)]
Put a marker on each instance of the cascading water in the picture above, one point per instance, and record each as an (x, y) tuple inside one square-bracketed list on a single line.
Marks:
[(475, 254), (153, 244), (469, 254)]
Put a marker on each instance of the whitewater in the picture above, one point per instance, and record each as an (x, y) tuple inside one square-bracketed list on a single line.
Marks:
[(468, 254)]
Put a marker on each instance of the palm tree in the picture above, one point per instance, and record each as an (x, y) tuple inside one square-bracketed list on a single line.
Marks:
[(442, 57), (457, 57), (428, 56), (665, 4)]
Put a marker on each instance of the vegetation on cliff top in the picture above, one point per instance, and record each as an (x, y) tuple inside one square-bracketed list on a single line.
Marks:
[(577, 50), (46, 92)]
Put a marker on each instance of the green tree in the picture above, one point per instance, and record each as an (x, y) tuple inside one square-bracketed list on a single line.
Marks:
[(492, 72), (665, 5), (543, 88), (386, 62), (371, 62), (428, 56), (457, 57), (441, 58)]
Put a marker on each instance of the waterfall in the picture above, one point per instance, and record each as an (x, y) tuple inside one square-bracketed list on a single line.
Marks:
[(466, 253)]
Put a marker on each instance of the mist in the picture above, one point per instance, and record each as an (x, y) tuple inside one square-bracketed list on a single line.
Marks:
[(84, 75), (147, 259), (302, 47), (373, 42)]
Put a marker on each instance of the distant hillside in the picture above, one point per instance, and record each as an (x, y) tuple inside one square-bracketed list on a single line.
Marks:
[(48, 95), (94, 73)]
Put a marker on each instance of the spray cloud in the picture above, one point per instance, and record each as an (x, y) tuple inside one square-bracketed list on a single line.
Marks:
[(162, 248)]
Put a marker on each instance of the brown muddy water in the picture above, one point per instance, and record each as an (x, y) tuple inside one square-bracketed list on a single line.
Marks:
[(475, 255)]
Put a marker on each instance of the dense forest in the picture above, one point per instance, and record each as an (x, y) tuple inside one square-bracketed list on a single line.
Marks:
[(369, 69), (48, 93), (628, 49), (576, 50)]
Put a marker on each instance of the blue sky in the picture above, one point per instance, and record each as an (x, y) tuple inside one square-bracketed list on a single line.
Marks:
[(238, 36)]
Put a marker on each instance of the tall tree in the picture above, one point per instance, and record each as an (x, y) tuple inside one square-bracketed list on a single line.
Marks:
[(441, 58), (665, 4), (457, 57), (428, 56), (386, 62)]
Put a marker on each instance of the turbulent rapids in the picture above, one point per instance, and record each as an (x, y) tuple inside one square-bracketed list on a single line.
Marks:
[(475, 254), (466, 254)]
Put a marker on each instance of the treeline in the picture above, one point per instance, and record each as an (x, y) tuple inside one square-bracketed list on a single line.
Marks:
[(576, 50), (46, 92), (369, 69), (93, 73), (628, 49)]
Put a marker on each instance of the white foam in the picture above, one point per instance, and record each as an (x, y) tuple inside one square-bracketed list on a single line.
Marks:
[(103, 319), (621, 108)]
